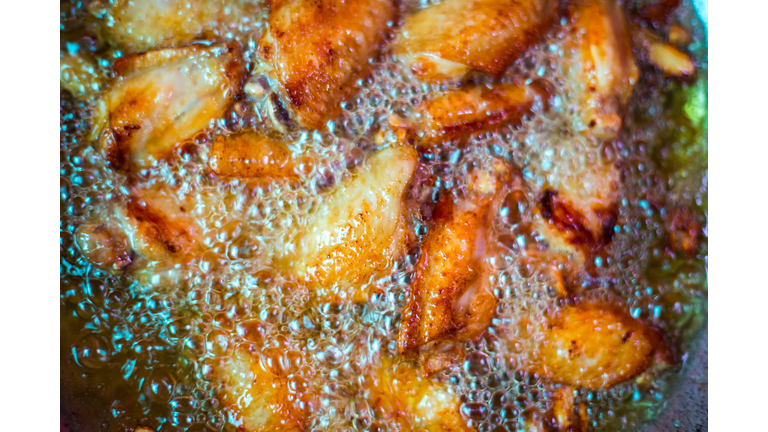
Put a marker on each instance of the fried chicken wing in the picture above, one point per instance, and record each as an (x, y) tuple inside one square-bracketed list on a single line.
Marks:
[(251, 154), (399, 393), (143, 25), (604, 70), (161, 98), (473, 109), (256, 399), (597, 346), (358, 231), (313, 50), (450, 297), (576, 213), (151, 223), (447, 40)]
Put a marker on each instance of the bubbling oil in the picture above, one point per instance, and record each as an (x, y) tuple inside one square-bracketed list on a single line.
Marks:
[(151, 334)]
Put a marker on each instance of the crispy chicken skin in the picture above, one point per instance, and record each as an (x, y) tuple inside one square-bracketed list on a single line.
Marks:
[(251, 154), (413, 402), (256, 398), (152, 222), (358, 230), (161, 224), (313, 50), (445, 41), (577, 214), (473, 109), (143, 25), (161, 98), (597, 346), (603, 72), (450, 297)]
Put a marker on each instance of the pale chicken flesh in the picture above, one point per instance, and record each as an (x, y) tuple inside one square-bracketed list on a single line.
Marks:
[(313, 50), (142, 25), (358, 230), (446, 41), (161, 98)]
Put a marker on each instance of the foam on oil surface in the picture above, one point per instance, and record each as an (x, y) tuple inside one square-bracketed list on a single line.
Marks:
[(157, 329)]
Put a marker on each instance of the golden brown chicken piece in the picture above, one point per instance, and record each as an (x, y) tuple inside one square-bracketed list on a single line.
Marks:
[(80, 75), (597, 346), (357, 231), (153, 223), (313, 50), (162, 224), (162, 98), (413, 402), (143, 25), (451, 300), (604, 72), (446, 41), (251, 154), (576, 212), (256, 398), (474, 109)]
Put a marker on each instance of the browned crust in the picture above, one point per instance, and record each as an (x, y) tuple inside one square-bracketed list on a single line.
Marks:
[(496, 65), (313, 74), (448, 256), (154, 228), (566, 219)]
